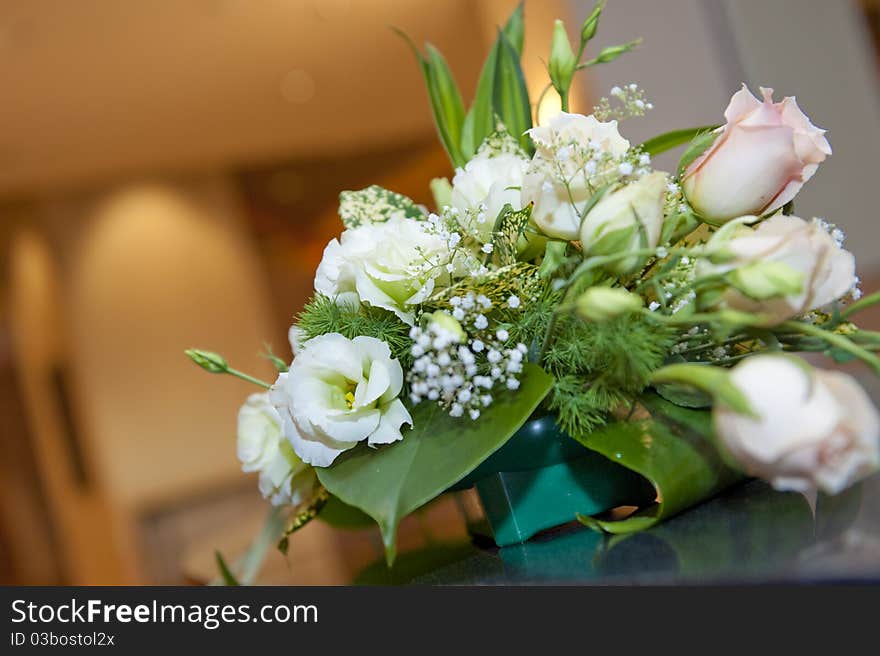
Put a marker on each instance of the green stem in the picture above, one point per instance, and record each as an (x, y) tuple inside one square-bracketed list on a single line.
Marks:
[(834, 339), (600, 260), (711, 345), (858, 306), (540, 100), (248, 378), (548, 337)]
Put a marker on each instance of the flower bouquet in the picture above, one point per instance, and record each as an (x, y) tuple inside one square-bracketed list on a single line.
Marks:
[(569, 329)]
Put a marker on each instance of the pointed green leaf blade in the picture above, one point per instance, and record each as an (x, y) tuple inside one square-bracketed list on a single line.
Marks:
[(669, 140), (515, 29), (482, 112), (510, 97), (391, 482), (446, 104)]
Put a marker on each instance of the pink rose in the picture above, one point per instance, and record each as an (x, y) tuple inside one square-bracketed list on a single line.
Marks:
[(763, 156)]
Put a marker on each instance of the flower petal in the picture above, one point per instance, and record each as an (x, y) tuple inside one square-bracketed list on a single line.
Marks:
[(394, 415)]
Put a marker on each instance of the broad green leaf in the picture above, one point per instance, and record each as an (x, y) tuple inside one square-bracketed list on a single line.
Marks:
[(390, 482), (510, 97), (669, 140), (339, 514), (707, 378), (684, 395), (698, 145), (446, 104), (374, 205), (674, 449)]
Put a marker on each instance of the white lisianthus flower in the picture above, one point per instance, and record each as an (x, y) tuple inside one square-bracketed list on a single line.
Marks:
[(340, 392), (560, 148), (393, 265), (814, 429), (827, 270), (284, 478), (632, 213), (484, 186)]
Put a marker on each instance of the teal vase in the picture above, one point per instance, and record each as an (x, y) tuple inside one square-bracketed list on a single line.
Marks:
[(543, 478)]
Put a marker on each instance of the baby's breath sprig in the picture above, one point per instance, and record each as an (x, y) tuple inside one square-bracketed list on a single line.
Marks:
[(629, 102), (460, 359)]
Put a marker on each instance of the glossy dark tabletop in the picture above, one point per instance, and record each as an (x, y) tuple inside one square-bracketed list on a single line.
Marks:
[(750, 534)]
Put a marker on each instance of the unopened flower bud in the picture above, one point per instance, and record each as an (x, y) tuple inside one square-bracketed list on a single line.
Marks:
[(562, 59), (208, 360), (448, 324), (604, 303)]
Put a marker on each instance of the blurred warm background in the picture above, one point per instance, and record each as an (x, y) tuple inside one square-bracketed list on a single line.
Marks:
[(168, 178)]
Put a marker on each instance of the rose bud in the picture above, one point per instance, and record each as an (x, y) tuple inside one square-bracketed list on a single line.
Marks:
[(817, 270), (813, 429), (760, 160), (625, 220)]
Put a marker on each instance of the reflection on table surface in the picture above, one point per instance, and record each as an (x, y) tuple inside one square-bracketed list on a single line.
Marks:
[(750, 534)]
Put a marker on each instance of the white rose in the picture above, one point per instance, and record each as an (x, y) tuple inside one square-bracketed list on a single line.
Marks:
[(632, 212), (814, 429), (558, 206), (492, 182), (827, 270), (339, 392), (391, 265), (284, 478)]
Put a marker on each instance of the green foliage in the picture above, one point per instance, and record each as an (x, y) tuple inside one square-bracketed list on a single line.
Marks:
[(390, 482), (528, 323), (323, 315), (674, 448), (701, 142), (374, 205), (225, 574), (501, 93), (600, 367), (510, 96), (518, 279), (481, 118), (669, 140)]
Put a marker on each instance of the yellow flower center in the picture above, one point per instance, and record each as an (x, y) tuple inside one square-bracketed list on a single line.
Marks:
[(349, 400)]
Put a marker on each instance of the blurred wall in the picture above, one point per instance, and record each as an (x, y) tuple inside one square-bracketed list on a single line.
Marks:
[(696, 54)]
